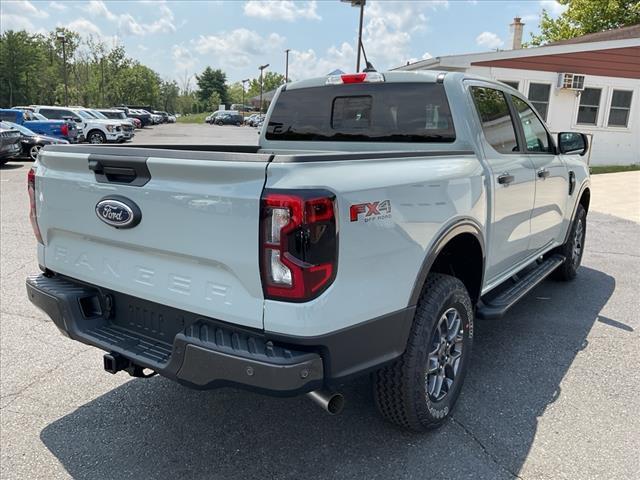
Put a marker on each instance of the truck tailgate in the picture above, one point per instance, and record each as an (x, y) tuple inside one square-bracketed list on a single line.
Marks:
[(196, 245)]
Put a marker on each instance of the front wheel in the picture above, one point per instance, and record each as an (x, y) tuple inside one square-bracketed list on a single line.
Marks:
[(573, 248), (419, 389), (96, 136)]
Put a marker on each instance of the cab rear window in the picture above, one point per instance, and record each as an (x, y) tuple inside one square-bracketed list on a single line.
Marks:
[(394, 112)]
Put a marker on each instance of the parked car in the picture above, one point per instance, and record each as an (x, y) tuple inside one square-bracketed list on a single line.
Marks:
[(242, 108), (229, 119), (94, 130), (64, 129), (127, 125), (164, 116), (143, 118), (376, 219), (254, 119), (31, 141), (9, 144), (171, 118)]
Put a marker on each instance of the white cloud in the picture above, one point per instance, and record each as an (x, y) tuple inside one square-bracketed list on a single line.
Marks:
[(389, 28), (84, 27), (22, 8), (128, 25), (16, 22), (97, 8), (182, 57), (306, 64), (489, 40), (554, 8), (238, 47), (57, 6), (287, 10)]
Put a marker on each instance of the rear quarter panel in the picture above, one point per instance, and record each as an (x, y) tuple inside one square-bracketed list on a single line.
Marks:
[(379, 259)]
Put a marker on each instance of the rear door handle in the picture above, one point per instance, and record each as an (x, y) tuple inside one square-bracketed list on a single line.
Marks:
[(544, 173), (505, 179)]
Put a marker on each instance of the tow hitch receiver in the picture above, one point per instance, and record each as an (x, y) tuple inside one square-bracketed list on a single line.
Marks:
[(114, 362)]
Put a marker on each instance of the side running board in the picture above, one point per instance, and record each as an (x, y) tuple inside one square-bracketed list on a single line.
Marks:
[(495, 305)]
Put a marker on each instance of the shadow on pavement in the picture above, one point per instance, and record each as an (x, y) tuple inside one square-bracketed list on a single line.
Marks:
[(157, 429)]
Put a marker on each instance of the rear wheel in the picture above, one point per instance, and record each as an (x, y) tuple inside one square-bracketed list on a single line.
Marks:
[(420, 389), (573, 248), (96, 136)]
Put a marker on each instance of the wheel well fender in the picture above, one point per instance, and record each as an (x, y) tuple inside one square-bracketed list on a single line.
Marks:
[(458, 251)]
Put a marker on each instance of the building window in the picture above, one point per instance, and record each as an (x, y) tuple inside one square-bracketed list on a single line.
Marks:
[(620, 108), (539, 97), (512, 83), (589, 105)]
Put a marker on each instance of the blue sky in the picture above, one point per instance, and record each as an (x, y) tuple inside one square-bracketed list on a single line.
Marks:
[(178, 39)]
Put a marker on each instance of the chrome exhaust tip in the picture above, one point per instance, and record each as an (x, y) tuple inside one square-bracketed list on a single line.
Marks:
[(330, 402)]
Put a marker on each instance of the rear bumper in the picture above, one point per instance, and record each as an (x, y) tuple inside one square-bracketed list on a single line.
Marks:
[(206, 353)]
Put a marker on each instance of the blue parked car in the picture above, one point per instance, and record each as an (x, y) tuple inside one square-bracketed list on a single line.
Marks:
[(63, 129)]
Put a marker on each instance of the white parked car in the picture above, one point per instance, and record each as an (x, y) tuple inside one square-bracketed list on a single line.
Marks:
[(93, 130)]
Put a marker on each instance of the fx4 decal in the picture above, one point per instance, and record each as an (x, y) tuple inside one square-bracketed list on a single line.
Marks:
[(370, 211)]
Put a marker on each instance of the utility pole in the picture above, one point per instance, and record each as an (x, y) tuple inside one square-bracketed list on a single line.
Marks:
[(61, 36), (261, 68), (286, 66), (243, 88), (358, 3)]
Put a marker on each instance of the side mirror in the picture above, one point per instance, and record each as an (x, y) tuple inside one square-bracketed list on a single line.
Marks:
[(573, 143)]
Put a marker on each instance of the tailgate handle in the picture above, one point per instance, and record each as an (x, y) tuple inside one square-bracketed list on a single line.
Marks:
[(121, 170)]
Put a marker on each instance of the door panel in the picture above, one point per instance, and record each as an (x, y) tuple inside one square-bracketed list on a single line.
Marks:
[(513, 183), (552, 183)]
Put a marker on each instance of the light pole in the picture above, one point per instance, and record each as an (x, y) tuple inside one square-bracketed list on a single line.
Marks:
[(261, 68), (358, 3), (286, 66), (61, 36), (243, 88)]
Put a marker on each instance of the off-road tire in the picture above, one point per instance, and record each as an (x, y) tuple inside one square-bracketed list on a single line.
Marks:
[(400, 389), (573, 249)]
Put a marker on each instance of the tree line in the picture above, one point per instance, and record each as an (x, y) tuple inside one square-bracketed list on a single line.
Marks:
[(98, 75)]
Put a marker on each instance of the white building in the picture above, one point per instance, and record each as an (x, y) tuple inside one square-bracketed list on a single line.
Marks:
[(589, 84)]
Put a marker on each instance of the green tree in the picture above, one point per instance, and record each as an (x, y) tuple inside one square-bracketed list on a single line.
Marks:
[(586, 16), (169, 93), (210, 81), (214, 101), (270, 80), (235, 93)]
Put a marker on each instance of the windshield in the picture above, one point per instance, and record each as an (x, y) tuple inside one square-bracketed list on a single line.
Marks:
[(98, 114), (394, 112), (20, 128), (38, 116), (85, 114)]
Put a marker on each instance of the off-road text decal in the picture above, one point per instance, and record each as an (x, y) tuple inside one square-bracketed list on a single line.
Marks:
[(370, 211)]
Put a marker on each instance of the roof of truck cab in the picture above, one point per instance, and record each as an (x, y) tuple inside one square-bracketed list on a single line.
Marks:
[(427, 76)]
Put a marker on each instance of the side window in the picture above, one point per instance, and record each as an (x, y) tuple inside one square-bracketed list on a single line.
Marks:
[(497, 123), (620, 108), (7, 116), (50, 114), (539, 98), (534, 132), (589, 105)]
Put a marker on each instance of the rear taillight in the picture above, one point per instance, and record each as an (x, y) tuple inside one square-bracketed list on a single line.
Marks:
[(64, 130), (298, 243), (31, 188), (346, 78)]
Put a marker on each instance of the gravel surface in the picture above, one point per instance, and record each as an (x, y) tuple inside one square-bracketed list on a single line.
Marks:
[(552, 392)]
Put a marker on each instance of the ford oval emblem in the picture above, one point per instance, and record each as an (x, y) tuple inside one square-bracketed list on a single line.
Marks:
[(119, 212)]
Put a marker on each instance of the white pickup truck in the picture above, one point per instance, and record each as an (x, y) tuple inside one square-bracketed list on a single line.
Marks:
[(378, 217)]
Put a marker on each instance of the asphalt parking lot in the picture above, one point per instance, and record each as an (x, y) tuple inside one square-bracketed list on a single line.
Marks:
[(552, 392)]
